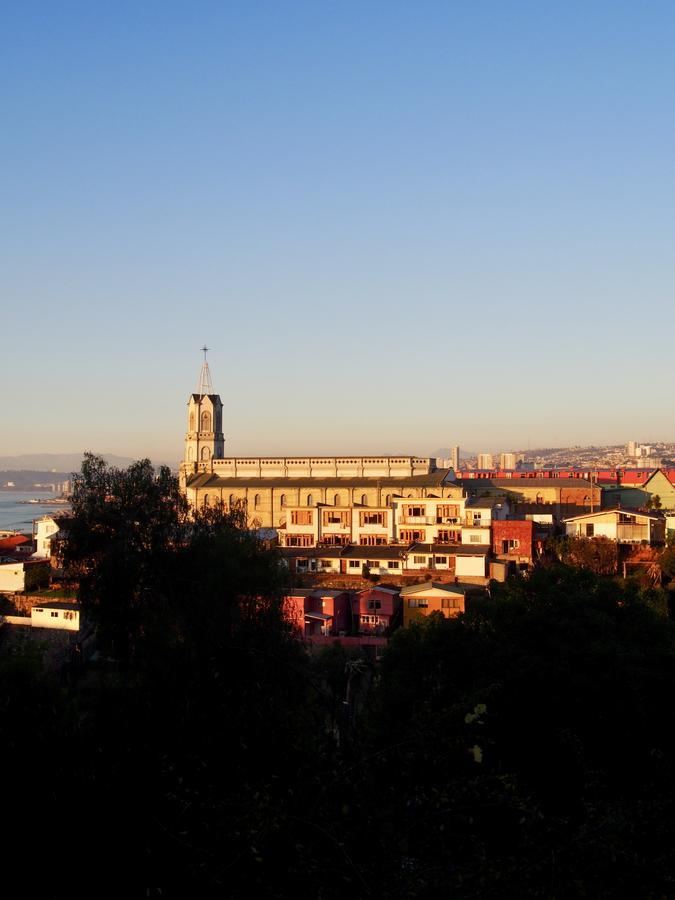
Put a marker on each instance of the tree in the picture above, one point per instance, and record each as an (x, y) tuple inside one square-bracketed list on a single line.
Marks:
[(210, 722), (123, 527), (524, 748), (598, 554)]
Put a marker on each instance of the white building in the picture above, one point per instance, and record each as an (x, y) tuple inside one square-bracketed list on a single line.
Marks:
[(45, 530), (508, 461), (621, 525), (62, 616)]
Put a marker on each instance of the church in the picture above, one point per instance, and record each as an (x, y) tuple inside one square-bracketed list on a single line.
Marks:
[(269, 486)]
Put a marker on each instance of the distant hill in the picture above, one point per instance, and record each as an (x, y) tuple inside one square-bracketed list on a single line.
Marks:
[(61, 462)]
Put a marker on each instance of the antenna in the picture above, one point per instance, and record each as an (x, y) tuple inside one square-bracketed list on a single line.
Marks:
[(205, 386)]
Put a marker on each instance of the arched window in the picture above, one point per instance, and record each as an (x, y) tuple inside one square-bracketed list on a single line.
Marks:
[(310, 500), (205, 453), (206, 421), (256, 501), (336, 500), (364, 500), (232, 501), (387, 500), (192, 421), (540, 499), (191, 454), (206, 500), (282, 500)]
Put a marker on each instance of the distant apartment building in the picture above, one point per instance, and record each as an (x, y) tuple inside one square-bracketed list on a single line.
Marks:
[(508, 461), (484, 461)]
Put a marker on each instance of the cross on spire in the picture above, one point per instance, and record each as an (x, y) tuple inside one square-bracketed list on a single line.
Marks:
[(205, 386)]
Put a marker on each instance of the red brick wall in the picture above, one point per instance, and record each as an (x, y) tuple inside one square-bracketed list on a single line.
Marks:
[(508, 530)]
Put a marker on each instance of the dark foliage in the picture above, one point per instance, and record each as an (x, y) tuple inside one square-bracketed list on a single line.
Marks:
[(523, 749)]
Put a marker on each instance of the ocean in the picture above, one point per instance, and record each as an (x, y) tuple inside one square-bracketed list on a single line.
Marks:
[(16, 516)]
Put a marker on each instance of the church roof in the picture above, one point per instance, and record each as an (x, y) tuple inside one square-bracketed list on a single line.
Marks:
[(431, 479)]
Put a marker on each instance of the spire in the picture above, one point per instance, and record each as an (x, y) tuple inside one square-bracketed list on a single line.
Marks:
[(205, 386)]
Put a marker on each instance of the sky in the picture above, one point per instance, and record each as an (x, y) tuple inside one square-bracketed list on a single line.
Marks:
[(399, 226)]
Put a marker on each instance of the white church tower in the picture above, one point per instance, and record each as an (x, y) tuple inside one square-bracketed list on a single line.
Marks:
[(204, 439)]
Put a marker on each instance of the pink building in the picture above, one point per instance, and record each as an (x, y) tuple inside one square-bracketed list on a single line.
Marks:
[(317, 612), (377, 610)]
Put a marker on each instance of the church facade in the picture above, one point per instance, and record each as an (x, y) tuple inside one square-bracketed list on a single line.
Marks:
[(268, 486)]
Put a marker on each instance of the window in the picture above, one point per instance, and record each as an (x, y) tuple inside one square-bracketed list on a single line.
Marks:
[(387, 500), (232, 501), (333, 517), (413, 510), (474, 538), (54, 615), (282, 500), (336, 500), (393, 564), (446, 511), (372, 518), (374, 604), (417, 603), (336, 540), (411, 536), (590, 530), (420, 560), (445, 536), (354, 564), (451, 603), (192, 421), (206, 421), (372, 540), (206, 500), (301, 517), (205, 453), (310, 500), (441, 560), (299, 540), (256, 501), (364, 500)]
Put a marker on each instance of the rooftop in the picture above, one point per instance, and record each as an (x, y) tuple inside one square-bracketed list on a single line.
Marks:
[(211, 480)]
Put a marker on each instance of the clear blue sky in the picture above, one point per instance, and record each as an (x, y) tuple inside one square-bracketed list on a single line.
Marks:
[(398, 225)]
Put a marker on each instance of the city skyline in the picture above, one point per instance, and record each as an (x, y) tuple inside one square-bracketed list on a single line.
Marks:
[(398, 228)]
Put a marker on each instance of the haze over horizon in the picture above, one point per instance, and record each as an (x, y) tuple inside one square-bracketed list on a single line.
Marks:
[(398, 227)]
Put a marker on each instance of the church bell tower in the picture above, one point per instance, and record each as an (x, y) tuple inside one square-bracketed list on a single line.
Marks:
[(204, 439)]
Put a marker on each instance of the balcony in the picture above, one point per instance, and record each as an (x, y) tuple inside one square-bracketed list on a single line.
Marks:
[(417, 520)]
